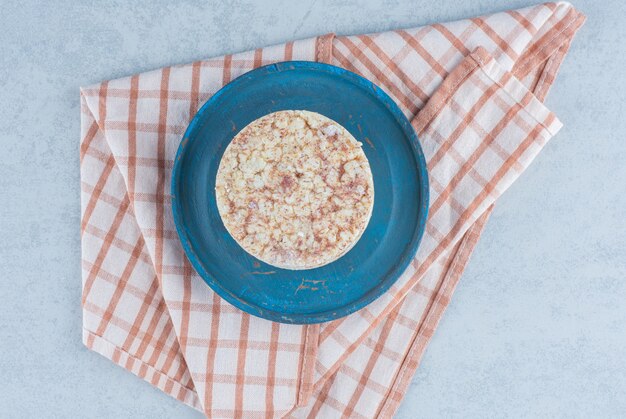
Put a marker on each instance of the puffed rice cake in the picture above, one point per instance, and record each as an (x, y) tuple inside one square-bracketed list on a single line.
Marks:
[(295, 190)]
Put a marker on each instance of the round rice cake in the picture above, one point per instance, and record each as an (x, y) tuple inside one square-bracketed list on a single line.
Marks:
[(295, 190)]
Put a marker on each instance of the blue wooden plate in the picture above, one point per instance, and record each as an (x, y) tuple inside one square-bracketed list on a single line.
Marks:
[(400, 184)]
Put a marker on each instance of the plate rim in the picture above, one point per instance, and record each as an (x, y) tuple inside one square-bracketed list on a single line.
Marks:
[(409, 251)]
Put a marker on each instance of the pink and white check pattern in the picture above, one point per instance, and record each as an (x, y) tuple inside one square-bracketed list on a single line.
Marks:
[(473, 89)]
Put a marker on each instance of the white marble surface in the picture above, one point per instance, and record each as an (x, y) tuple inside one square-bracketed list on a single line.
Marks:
[(537, 327)]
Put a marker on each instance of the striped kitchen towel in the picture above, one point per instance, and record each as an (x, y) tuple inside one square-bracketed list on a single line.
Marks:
[(473, 90)]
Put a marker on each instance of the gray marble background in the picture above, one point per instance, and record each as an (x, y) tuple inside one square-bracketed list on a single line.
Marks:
[(537, 327)]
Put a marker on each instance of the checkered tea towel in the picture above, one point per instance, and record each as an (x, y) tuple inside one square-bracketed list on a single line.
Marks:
[(473, 90)]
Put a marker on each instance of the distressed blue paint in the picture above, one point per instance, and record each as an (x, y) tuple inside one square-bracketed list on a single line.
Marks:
[(400, 182)]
